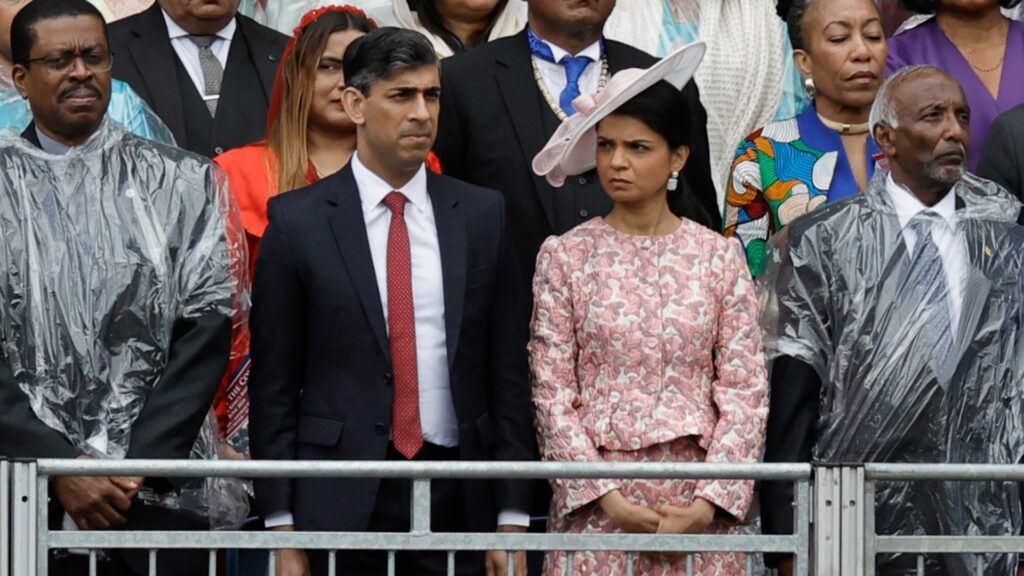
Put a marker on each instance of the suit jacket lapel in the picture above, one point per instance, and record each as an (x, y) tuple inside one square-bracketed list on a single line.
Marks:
[(349, 230), (150, 49), (263, 51), (451, 236), (514, 73)]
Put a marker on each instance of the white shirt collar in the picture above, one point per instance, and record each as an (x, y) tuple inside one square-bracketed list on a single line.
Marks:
[(907, 205), (175, 31), (373, 188), (593, 51)]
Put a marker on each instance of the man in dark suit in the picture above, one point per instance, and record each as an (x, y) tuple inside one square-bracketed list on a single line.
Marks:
[(1002, 158), (128, 335), (207, 71), (389, 323), (895, 321), (503, 101)]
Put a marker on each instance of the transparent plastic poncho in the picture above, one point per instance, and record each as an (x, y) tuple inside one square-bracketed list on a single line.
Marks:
[(103, 249), (837, 297)]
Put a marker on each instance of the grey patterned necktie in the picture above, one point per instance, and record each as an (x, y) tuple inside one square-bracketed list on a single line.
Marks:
[(213, 72), (927, 281)]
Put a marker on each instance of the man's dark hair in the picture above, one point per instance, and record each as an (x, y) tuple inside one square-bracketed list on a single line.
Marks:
[(663, 109), (23, 31), (932, 6), (383, 53)]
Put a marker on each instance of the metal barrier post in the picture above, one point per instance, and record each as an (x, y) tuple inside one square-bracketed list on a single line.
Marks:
[(827, 520), (23, 547), (5, 518), (851, 542), (801, 531), (42, 521), (870, 546), (420, 512)]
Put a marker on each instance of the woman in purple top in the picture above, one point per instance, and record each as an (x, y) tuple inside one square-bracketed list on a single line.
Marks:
[(977, 45)]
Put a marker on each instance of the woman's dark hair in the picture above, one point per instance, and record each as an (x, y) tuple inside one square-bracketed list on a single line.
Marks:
[(663, 109), (795, 22), (430, 18), (932, 6)]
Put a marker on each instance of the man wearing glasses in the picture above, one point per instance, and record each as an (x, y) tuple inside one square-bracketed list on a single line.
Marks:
[(121, 271)]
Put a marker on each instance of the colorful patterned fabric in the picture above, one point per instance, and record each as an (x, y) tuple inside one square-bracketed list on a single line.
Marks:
[(782, 172)]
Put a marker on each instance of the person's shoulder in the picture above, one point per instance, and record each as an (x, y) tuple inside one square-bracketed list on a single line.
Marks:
[(253, 29), (309, 200), (243, 156), (483, 56), (822, 222), (782, 131), (628, 55), (464, 192), (914, 35), (1012, 119), (171, 156), (121, 28)]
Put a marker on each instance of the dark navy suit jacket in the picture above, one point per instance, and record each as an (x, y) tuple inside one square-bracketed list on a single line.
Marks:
[(321, 385)]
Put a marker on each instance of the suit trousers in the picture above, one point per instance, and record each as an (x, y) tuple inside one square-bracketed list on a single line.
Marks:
[(391, 513)]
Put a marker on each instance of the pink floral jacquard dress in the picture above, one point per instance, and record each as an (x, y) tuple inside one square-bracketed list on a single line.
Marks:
[(646, 348)]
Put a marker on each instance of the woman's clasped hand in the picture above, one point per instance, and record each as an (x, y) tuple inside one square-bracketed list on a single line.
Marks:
[(663, 519)]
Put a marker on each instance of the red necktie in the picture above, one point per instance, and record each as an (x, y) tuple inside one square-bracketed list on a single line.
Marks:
[(405, 411)]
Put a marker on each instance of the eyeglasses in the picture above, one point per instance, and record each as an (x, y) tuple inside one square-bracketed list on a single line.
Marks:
[(63, 62)]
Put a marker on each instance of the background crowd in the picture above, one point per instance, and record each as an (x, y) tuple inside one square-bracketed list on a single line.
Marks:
[(645, 230)]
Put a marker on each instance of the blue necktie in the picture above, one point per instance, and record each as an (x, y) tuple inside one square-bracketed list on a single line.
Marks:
[(927, 279), (574, 68)]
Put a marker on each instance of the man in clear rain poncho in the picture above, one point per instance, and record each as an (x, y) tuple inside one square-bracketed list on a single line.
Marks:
[(121, 271), (894, 320)]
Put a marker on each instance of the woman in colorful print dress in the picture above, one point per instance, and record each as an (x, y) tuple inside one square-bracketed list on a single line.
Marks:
[(645, 345), (826, 153)]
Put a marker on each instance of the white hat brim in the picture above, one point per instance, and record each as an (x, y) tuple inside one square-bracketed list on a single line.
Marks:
[(572, 149)]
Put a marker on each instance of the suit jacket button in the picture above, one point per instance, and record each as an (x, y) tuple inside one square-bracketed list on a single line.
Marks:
[(380, 429), (584, 213), (218, 150), (582, 181)]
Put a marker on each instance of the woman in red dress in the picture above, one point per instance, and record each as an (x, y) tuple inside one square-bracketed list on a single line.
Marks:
[(309, 136)]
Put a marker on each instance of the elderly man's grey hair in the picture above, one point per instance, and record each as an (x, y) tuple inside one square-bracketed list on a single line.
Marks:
[(883, 111)]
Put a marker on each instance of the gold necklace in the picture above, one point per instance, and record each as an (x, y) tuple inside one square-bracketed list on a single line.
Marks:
[(992, 69), (552, 103), (844, 128)]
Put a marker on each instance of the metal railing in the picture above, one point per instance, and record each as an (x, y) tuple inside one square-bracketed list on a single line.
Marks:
[(872, 544), (34, 540)]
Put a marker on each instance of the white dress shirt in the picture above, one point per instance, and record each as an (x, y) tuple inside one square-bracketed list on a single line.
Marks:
[(553, 75), (947, 235), (188, 52), (437, 411)]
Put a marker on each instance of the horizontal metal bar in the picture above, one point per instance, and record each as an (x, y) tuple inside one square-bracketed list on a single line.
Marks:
[(977, 472), (462, 470), (434, 541), (949, 544)]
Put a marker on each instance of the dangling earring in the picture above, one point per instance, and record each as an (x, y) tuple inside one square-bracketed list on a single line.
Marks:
[(673, 181), (809, 86)]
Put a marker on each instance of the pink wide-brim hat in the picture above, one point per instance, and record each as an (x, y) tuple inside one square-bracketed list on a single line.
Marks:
[(572, 149)]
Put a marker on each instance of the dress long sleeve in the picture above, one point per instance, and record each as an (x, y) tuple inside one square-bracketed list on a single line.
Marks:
[(740, 391), (556, 393)]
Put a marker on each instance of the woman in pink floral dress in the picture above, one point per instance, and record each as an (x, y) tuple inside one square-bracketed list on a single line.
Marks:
[(645, 344)]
